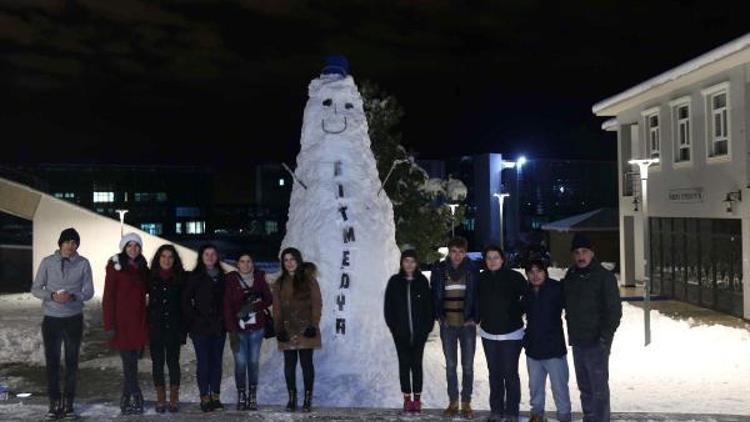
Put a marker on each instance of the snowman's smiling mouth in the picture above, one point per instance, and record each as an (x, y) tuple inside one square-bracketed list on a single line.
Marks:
[(333, 130)]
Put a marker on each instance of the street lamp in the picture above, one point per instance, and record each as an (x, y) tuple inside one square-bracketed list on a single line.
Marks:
[(643, 166), (122, 220), (500, 200), (453, 218)]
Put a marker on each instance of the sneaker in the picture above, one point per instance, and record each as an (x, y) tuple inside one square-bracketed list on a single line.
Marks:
[(55, 410), (408, 405)]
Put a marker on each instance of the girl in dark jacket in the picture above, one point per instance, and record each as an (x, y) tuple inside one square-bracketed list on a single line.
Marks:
[(410, 316), (297, 306), (203, 308), (124, 314), (500, 297), (165, 328), (246, 298)]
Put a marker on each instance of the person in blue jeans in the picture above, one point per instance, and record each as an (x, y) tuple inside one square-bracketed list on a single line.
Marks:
[(453, 283), (246, 298), (546, 354)]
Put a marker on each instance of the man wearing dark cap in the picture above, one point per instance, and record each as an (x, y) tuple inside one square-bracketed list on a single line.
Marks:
[(593, 311), (63, 282)]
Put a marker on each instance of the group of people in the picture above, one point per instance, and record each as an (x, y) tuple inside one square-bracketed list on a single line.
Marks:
[(160, 304), (493, 303)]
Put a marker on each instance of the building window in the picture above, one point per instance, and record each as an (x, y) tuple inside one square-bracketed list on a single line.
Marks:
[(188, 212), (272, 227), (161, 197), (195, 227), (68, 196), (653, 132), (717, 120), (152, 228), (178, 228), (681, 130), (104, 197)]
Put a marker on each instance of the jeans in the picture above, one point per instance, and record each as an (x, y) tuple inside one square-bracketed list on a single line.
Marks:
[(466, 336), (592, 373), (410, 365), (165, 350), (208, 354), (57, 332), (557, 369), (505, 385), (130, 372), (290, 368), (247, 357)]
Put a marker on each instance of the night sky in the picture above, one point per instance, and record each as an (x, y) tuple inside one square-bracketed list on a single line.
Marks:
[(225, 83)]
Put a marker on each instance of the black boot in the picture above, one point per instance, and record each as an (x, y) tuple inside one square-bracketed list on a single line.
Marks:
[(241, 399), (206, 404), (291, 405), (125, 404), (252, 402), (137, 407), (55, 409), (216, 403), (67, 408), (307, 404)]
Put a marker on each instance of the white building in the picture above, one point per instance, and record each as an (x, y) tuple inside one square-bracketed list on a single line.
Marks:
[(694, 239)]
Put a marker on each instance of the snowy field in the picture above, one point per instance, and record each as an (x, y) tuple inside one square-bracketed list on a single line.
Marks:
[(688, 368)]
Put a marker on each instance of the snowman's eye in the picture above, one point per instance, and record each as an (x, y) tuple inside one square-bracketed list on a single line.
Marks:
[(327, 102), (349, 106)]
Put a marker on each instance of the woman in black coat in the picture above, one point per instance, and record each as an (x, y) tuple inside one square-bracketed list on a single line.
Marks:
[(203, 312), (165, 328), (410, 316)]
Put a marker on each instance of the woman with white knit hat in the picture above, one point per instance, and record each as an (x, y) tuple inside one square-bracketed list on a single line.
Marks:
[(124, 306)]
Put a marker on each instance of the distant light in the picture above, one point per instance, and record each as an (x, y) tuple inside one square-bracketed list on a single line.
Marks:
[(281, 182), (562, 189), (521, 161)]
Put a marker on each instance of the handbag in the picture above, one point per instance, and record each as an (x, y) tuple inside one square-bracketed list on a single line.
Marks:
[(269, 330)]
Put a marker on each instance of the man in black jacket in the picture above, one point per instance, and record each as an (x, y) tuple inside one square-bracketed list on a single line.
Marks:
[(454, 283), (593, 311), (546, 354)]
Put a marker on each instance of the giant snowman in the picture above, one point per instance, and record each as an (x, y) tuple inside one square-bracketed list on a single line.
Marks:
[(343, 222)]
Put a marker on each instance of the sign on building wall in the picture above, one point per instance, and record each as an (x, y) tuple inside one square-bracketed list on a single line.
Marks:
[(686, 195)]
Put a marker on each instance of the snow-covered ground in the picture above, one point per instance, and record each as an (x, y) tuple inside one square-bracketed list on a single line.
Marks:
[(688, 368)]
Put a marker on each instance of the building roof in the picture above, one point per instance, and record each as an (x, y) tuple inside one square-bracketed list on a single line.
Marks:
[(701, 62), (599, 220)]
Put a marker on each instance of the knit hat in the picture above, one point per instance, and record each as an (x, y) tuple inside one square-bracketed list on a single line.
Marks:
[(130, 237), (580, 241), (69, 234), (336, 65), (409, 253)]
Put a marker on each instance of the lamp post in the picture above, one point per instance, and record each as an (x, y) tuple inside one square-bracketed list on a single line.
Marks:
[(643, 166), (500, 200), (453, 218), (122, 220)]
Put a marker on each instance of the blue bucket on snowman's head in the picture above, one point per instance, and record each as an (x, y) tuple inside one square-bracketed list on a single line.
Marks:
[(336, 65)]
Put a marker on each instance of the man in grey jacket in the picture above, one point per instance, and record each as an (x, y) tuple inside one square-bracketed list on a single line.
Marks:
[(63, 282)]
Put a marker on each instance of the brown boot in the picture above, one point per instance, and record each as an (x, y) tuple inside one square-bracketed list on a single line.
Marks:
[(161, 399), (451, 410), (466, 410), (174, 398)]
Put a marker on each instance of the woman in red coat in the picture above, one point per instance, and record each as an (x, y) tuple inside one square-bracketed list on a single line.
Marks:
[(124, 306)]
